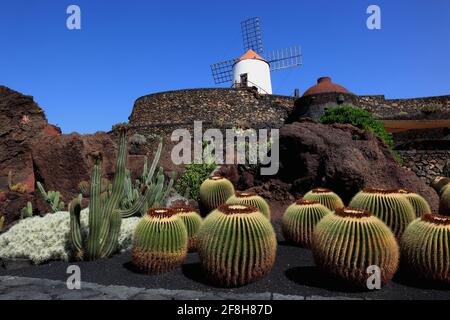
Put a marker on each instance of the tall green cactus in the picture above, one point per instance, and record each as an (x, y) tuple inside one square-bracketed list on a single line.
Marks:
[(53, 198), (425, 247)]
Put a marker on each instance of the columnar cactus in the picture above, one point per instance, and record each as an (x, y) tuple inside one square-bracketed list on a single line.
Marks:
[(300, 219), (192, 221), (251, 199), (160, 242), (349, 241), (53, 198), (105, 217), (425, 247), (237, 245), (388, 205), (419, 204), (326, 197), (215, 191)]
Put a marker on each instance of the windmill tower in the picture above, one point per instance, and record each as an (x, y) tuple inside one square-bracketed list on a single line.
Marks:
[(252, 69)]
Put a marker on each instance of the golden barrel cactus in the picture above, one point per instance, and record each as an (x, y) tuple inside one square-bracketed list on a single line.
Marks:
[(444, 204), (159, 242), (326, 197), (192, 221), (425, 247), (419, 204), (349, 241), (300, 219), (215, 191), (251, 199), (388, 205), (236, 245)]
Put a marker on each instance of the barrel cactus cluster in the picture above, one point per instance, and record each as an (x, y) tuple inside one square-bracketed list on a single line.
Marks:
[(349, 241), (299, 220), (192, 221), (389, 205), (215, 191), (326, 197), (425, 247), (160, 242), (251, 199), (236, 245), (444, 204)]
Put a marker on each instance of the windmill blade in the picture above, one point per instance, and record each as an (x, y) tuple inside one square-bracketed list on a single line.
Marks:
[(251, 35), (223, 71), (285, 58)]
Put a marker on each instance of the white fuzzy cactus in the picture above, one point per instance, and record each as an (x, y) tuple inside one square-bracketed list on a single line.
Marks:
[(43, 239)]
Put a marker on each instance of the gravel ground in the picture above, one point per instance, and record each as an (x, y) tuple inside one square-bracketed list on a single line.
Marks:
[(294, 273)]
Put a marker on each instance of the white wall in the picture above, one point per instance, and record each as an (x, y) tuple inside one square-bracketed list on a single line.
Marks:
[(258, 74)]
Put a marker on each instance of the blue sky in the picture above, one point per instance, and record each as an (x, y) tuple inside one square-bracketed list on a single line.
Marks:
[(88, 80)]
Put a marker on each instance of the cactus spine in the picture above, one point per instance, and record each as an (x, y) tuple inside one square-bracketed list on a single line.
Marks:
[(388, 205), (160, 242), (192, 221), (52, 198), (215, 191), (251, 199), (425, 247), (300, 219), (105, 218), (237, 245), (326, 197), (419, 204), (348, 241)]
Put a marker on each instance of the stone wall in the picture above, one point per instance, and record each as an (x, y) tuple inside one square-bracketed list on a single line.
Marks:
[(217, 108), (427, 164)]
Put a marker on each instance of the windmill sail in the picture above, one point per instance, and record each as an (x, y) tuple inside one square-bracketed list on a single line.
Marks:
[(223, 71), (251, 35), (285, 58)]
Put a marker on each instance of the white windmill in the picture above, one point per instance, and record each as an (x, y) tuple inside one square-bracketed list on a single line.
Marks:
[(252, 70)]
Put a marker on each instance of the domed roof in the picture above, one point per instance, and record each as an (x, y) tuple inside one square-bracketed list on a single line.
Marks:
[(325, 85)]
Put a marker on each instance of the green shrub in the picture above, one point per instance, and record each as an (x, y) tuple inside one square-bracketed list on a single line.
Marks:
[(189, 183), (362, 119)]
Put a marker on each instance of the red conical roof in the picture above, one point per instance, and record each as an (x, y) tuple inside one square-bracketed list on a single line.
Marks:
[(250, 54), (325, 85)]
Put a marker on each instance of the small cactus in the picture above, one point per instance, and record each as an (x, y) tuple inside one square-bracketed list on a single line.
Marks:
[(18, 187), (326, 197), (348, 241), (27, 211), (52, 198), (444, 203), (425, 247), (215, 191), (250, 199), (192, 221), (160, 242), (300, 219), (236, 245), (388, 205), (419, 204), (2, 223)]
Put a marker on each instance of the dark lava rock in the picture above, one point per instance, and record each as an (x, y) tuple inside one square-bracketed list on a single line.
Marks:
[(340, 157)]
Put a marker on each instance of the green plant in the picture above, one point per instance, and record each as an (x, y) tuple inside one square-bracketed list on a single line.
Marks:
[(425, 247), (362, 119), (19, 187), (52, 198), (348, 241), (250, 199), (431, 108), (26, 211), (236, 245), (388, 205), (326, 197), (439, 183), (2, 223), (160, 242), (444, 203), (105, 216), (300, 219), (419, 204), (189, 183), (215, 191), (85, 186), (138, 139), (192, 221)]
